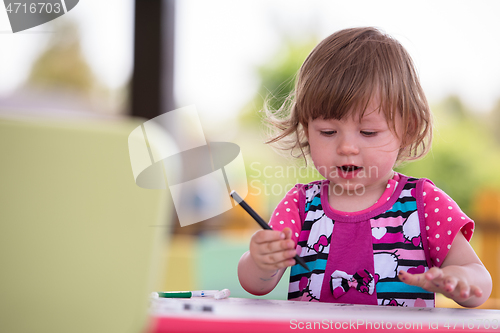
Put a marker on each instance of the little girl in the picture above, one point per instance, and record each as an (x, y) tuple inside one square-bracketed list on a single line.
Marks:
[(369, 235)]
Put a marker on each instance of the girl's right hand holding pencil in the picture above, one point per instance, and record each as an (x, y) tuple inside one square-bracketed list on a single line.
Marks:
[(272, 250)]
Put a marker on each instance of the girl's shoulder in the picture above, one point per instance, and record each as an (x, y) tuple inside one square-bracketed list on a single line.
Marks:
[(313, 184), (444, 219), (306, 192)]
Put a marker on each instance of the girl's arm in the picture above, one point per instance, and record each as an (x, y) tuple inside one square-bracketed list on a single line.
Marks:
[(462, 276), (261, 268)]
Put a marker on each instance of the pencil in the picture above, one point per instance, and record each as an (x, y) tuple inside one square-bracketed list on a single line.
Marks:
[(262, 223)]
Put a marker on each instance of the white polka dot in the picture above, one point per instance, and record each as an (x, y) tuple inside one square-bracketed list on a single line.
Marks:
[(449, 246), (427, 228), (294, 192), (426, 214), (449, 219), (449, 207), (435, 190), (296, 234), (437, 235), (438, 223), (295, 200), (277, 214), (437, 259), (436, 210), (449, 232), (282, 222), (288, 209), (437, 248), (465, 232), (293, 221), (388, 199), (424, 194), (463, 217), (428, 238), (286, 202), (436, 198), (425, 204), (388, 185)]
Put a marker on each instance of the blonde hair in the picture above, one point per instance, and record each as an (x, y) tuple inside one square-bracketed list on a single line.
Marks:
[(341, 74)]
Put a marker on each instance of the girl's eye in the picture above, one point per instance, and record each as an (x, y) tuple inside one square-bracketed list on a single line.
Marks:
[(328, 133), (368, 133)]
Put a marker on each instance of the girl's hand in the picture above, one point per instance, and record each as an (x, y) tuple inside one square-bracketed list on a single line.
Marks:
[(462, 277), (447, 281), (272, 250)]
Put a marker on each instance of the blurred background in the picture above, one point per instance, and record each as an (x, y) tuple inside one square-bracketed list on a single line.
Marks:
[(115, 60)]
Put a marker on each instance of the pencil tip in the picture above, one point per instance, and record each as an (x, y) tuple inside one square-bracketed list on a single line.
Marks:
[(236, 197)]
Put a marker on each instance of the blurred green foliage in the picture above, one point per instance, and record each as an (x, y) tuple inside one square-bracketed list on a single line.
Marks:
[(465, 152), (277, 78), (270, 173)]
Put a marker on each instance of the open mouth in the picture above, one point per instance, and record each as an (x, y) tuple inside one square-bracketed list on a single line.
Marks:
[(349, 168)]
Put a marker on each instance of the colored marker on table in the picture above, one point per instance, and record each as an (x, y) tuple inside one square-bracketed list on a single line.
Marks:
[(262, 223), (217, 294), (187, 294)]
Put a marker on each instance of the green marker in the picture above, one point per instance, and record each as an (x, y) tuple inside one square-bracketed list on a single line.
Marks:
[(187, 294)]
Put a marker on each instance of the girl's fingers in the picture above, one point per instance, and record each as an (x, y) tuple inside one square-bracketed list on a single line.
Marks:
[(276, 257), (279, 264), (287, 232), (476, 291), (412, 279), (427, 280), (265, 242), (264, 236), (463, 290), (275, 247), (434, 280), (286, 263), (450, 284), (434, 273)]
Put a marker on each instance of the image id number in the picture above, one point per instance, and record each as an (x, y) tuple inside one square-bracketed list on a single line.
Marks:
[(473, 324), (40, 7)]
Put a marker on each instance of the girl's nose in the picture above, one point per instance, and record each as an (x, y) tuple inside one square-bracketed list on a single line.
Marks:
[(347, 146)]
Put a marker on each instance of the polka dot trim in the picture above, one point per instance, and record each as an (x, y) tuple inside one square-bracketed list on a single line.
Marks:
[(286, 214), (443, 219)]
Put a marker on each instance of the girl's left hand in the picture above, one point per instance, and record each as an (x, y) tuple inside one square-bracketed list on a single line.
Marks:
[(444, 281), (462, 277)]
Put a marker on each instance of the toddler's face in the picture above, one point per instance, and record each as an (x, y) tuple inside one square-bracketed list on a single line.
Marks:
[(354, 153)]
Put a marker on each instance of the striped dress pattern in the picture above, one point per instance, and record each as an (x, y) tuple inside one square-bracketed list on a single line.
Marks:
[(398, 242)]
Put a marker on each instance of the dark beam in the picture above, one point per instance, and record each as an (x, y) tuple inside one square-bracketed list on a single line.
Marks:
[(152, 79)]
